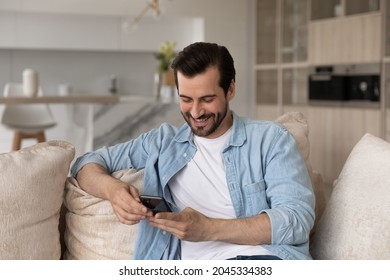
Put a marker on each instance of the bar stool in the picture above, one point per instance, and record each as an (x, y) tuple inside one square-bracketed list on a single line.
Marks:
[(26, 120)]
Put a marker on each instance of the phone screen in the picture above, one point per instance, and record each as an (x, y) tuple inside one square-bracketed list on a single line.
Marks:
[(155, 203)]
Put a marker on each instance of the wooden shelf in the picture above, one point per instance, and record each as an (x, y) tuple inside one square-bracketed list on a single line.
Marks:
[(365, 104)]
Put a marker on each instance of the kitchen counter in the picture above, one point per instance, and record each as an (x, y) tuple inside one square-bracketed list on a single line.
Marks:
[(79, 116), (73, 99)]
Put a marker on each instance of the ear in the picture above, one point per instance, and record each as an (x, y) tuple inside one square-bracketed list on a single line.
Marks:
[(232, 91)]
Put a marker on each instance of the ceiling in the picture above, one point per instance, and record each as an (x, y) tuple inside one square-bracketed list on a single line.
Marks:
[(96, 7), (226, 9)]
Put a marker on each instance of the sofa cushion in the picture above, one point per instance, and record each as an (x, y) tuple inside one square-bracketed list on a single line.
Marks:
[(356, 221), (93, 231), (31, 194), (296, 124)]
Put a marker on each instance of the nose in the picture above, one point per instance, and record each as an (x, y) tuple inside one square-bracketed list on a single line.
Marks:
[(197, 110)]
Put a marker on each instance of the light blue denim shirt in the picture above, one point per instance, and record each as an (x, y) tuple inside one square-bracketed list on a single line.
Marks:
[(264, 171)]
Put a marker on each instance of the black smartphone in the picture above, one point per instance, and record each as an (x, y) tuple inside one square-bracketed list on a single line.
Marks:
[(155, 203)]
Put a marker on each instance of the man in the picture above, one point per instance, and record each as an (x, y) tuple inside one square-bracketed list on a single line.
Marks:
[(239, 188)]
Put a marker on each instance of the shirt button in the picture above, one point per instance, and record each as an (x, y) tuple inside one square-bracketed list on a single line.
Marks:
[(184, 155)]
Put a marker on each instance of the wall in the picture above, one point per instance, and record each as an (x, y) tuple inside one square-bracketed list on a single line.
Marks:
[(86, 61), (96, 24), (88, 73)]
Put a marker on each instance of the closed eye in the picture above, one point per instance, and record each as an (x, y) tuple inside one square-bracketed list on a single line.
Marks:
[(208, 99), (185, 99), (205, 99)]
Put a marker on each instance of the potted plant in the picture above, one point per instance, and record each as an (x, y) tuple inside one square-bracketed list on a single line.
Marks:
[(164, 77), (165, 54)]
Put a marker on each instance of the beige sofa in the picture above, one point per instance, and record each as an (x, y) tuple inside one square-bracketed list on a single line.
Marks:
[(45, 215)]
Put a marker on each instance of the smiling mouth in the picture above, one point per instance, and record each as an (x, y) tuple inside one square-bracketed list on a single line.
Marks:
[(200, 122)]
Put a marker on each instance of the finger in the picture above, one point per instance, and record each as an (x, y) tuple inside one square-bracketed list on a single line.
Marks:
[(173, 230), (173, 216), (134, 193), (129, 209), (127, 202), (128, 218), (167, 221), (137, 208), (128, 222)]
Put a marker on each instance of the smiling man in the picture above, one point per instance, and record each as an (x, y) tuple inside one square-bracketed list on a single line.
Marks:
[(239, 188), (203, 103)]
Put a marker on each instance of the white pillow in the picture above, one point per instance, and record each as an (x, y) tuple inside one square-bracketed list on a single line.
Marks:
[(93, 231), (356, 221), (31, 194), (296, 124)]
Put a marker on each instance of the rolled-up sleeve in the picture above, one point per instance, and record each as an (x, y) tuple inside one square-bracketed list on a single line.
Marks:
[(289, 192)]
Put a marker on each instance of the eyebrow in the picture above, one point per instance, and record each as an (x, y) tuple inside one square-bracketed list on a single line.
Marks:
[(204, 96)]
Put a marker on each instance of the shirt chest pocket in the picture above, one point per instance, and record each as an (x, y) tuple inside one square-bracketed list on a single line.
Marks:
[(255, 199)]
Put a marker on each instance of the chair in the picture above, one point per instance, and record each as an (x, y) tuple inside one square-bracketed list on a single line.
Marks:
[(27, 120)]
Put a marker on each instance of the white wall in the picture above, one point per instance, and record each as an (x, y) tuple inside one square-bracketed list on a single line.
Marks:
[(228, 22), (88, 73), (87, 59)]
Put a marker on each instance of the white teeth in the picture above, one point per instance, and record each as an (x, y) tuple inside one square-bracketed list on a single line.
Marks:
[(201, 120)]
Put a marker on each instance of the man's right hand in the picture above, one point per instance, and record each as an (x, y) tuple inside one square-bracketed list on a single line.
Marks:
[(94, 179), (127, 205)]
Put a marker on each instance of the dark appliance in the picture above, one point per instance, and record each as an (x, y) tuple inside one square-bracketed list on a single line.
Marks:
[(363, 87), (325, 86), (328, 86)]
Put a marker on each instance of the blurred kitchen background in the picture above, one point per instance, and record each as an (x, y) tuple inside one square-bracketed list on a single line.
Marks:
[(83, 47), (329, 59)]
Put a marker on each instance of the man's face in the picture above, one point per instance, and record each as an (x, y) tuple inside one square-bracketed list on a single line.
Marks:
[(203, 103)]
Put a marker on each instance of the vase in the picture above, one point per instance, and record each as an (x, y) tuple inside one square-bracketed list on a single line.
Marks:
[(165, 87), (30, 82)]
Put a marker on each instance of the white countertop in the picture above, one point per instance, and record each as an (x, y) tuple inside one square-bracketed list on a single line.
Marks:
[(73, 99)]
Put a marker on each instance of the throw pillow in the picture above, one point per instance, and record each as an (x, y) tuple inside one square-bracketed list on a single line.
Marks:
[(296, 124), (93, 231), (31, 194), (356, 221)]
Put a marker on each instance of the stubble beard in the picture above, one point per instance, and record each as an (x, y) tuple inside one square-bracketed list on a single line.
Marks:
[(202, 131)]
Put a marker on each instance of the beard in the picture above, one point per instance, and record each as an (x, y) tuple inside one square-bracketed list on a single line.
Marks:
[(214, 122)]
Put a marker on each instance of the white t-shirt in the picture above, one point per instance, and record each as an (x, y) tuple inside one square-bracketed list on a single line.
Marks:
[(202, 186)]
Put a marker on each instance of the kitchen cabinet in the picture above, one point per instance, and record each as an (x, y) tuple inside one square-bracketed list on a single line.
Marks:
[(353, 7), (324, 9), (306, 34), (281, 52), (7, 30), (93, 32), (266, 32), (345, 40), (327, 9), (345, 31)]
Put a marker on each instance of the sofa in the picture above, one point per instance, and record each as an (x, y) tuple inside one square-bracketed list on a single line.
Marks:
[(44, 214)]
